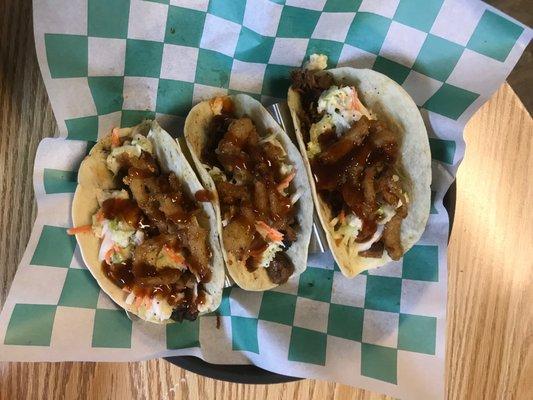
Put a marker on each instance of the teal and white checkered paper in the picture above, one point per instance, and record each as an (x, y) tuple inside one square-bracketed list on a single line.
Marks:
[(107, 63)]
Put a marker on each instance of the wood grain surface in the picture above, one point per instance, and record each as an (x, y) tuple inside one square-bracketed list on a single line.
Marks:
[(489, 337)]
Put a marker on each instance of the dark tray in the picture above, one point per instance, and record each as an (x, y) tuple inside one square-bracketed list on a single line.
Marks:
[(251, 373)]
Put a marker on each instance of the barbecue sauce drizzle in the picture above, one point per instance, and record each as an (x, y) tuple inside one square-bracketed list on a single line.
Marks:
[(253, 157), (127, 274), (340, 183)]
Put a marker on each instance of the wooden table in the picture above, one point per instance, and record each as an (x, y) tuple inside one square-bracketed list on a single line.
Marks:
[(490, 287)]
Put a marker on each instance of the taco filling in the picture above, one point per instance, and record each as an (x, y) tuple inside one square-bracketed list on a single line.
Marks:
[(356, 165), (253, 176), (153, 242)]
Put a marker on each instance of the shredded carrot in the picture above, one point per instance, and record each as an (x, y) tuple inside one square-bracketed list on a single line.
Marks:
[(268, 232), (355, 100), (147, 301), (108, 255), (80, 229), (138, 301), (175, 256), (342, 217), (100, 215), (357, 105), (284, 184), (115, 137)]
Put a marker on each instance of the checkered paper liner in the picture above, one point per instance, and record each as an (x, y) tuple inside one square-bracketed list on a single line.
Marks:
[(107, 63)]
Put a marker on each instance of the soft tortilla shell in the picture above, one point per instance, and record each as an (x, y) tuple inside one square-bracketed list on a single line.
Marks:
[(196, 134), (94, 176), (390, 102)]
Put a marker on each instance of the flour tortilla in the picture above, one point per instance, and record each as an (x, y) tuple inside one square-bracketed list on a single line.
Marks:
[(94, 176), (196, 134), (388, 101)]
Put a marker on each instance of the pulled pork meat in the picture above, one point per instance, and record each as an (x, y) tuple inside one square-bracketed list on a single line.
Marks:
[(310, 86), (252, 191), (357, 172)]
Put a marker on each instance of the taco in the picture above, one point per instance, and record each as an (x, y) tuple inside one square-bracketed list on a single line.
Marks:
[(367, 155), (152, 247), (261, 193)]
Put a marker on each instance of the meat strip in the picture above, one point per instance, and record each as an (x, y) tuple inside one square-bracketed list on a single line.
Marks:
[(145, 164), (391, 237), (354, 137), (230, 193), (165, 276), (280, 268), (375, 251)]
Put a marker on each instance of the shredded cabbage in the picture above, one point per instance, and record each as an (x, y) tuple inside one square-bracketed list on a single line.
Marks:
[(313, 149), (348, 230), (130, 299), (285, 169), (216, 174), (116, 258), (138, 144), (338, 103), (120, 232), (143, 143), (269, 254), (268, 138), (112, 162), (325, 124), (159, 310), (387, 212)]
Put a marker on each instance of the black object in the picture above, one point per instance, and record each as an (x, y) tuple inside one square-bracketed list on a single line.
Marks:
[(449, 205), (251, 373), (231, 373)]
